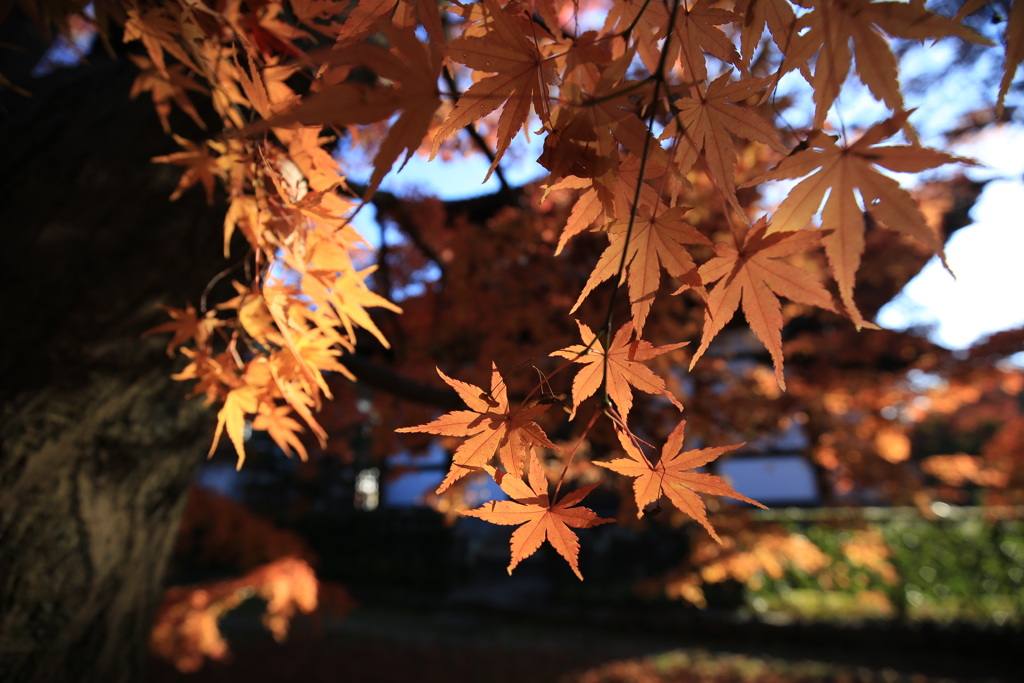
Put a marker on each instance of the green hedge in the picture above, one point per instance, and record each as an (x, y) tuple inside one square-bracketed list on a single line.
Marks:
[(963, 565)]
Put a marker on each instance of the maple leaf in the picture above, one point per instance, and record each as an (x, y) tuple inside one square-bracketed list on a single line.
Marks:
[(291, 378), (844, 172), (521, 77), (284, 430), (669, 476), (656, 242), (1014, 51), (490, 424), (268, 31), (541, 519), (645, 22), (158, 28), (238, 404), (319, 168), (214, 375), (696, 32), (364, 17), (751, 275), (266, 89), (624, 360), (164, 86), (245, 215), (585, 210), (200, 165), (592, 120), (777, 15), (582, 60), (185, 325), (329, 277), (831, 28), (706, 124), (411, 69)]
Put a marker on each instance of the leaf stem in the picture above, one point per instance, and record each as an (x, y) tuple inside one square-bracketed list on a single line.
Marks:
[(636, 85), (659, 79), (575, 449)]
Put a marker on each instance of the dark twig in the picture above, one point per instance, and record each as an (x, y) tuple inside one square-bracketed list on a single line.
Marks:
[(474, 134), (659, 78)]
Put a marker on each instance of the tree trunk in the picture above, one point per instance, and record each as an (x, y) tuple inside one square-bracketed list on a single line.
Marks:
[(97, 443)]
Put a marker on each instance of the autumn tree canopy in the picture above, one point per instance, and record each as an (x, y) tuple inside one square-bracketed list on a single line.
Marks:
[(577, 319)]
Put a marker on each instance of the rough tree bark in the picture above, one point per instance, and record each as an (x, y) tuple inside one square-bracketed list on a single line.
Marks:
[(97, 444)]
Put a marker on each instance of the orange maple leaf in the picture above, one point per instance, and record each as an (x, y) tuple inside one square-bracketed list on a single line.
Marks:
[(349, 296), (753, 277), (186, 325), (410, 69), (585, 210), (844, 172), (831, 28), (214, 374), (200, 165), (777, 15), (158, 28), (705, 125), (625, 368), (696, 32), (490, 424), (521, 78), (364, 18), (644, 22), (239, 403), (671, 478), (656, 242), (541, 520), (166, 86), (270, 32), (592, 120), (283, 429)]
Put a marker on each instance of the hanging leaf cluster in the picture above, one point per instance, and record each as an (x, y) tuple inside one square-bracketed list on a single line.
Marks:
[(644, 107)]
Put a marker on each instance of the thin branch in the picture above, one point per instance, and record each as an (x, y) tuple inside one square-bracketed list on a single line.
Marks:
[(659, 79), (632, 25), (636, 85), (575, 449), (383, 378), (383, 267)]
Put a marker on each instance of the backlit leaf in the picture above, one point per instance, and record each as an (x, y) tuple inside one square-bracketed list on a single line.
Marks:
[(670, 476), (540, 517)]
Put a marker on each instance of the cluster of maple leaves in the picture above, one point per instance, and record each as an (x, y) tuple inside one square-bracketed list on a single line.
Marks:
[(634, 100)]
